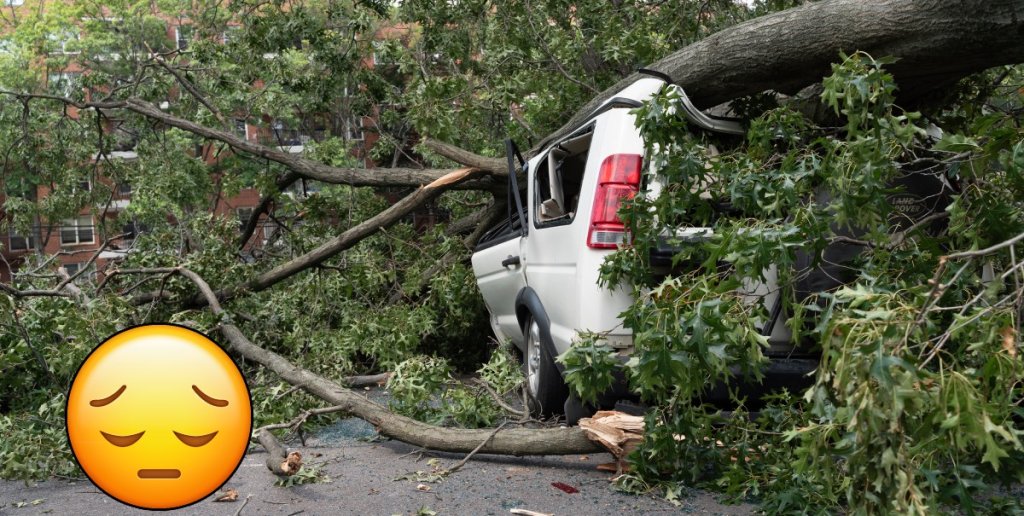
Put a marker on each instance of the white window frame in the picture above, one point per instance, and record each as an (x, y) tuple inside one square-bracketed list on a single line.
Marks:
[(377, 46), (70, 80), (226, 35), (61, 39), (30, 241), (78, 224), (243, 220), (244, 133), (268, 231), (177, 37), (354, 128), (72, 268)]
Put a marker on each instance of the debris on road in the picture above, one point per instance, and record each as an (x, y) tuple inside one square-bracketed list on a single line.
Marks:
[(618, 432), (565, 487), (228, 496)]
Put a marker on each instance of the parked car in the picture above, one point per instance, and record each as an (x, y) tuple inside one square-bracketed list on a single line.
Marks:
[(538, 269)]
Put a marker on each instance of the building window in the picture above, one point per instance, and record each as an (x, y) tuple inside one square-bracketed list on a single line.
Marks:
[(244, 214), (354, 128), (241, 129), (19, 242), (78, 230), (381, 56), (14, 3), (63, 41), (231, 33), (131, 230), (182, 35), (73, 268), (83, 186), (64, 83), (124, 189), (269, 230)]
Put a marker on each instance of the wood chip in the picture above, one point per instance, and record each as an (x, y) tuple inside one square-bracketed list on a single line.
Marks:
[(229, 496), (292, 464), (1009, 341), (617, 432)]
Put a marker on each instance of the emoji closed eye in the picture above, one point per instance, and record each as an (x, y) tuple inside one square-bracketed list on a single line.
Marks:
[(195, 441), (122, 440)]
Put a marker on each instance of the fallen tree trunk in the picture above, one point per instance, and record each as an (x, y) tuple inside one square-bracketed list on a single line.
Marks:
[(332, 247), (303, 167), (512, 441), (937, 42)]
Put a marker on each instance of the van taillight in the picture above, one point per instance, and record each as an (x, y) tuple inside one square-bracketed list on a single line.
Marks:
[(618, 179)]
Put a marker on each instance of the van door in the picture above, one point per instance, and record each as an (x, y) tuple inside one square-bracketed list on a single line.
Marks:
[(499, 261), (556, 233)]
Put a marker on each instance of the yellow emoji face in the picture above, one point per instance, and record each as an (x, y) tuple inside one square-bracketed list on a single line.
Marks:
[(159, 416)]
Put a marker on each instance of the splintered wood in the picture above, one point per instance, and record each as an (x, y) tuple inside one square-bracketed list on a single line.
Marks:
[(619, 433), (292, 464)]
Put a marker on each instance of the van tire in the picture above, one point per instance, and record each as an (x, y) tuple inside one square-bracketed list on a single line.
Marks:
[(576, 409), (546, 391)]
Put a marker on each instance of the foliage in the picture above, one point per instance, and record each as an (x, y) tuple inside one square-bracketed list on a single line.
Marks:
[(914, 407), (502, 371), (589, 367), (35, 444), (307, 474), (423, 388)]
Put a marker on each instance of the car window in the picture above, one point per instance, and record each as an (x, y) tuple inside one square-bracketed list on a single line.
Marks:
[(558, 181)]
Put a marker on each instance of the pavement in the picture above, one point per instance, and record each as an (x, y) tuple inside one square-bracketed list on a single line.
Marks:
[(360, 478)]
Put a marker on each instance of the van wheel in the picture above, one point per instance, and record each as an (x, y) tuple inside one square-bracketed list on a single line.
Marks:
[(576, 409), (544, 385)]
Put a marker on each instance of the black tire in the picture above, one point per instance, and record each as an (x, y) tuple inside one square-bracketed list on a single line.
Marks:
[(576, 409), (546, 390)]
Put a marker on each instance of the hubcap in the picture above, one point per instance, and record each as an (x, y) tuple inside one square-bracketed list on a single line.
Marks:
[(533, 359)]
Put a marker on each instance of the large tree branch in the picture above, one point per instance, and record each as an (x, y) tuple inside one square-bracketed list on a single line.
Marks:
[(346, 240), (496, 166), (514, 441), (936, 41), (304, 167), (282, 184), (191, 88)]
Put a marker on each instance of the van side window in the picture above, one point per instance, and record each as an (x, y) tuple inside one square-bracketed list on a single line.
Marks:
[(558, 179)]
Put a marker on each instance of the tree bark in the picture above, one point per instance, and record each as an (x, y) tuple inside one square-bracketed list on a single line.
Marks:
[(937, 42), (303, 167), (513, 441), (332, 247)]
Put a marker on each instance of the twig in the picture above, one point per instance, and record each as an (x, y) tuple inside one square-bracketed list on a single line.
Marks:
[(498, 399), (470, 455), (35, 351), (300, 419), (988, 250), (246, 502), (287, 392), (187, 84)]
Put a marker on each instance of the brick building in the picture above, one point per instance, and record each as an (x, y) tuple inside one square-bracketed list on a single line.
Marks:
[(75, 241)]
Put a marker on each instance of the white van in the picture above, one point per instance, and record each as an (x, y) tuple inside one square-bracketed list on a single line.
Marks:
[(538, 270)]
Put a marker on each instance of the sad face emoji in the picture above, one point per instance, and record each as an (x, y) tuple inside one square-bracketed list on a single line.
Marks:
[(159, 416)]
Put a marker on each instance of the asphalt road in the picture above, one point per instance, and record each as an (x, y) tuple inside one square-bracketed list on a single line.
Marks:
[(362, 481)]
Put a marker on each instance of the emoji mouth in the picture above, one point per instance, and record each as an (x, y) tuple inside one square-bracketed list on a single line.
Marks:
[(159, 473)]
